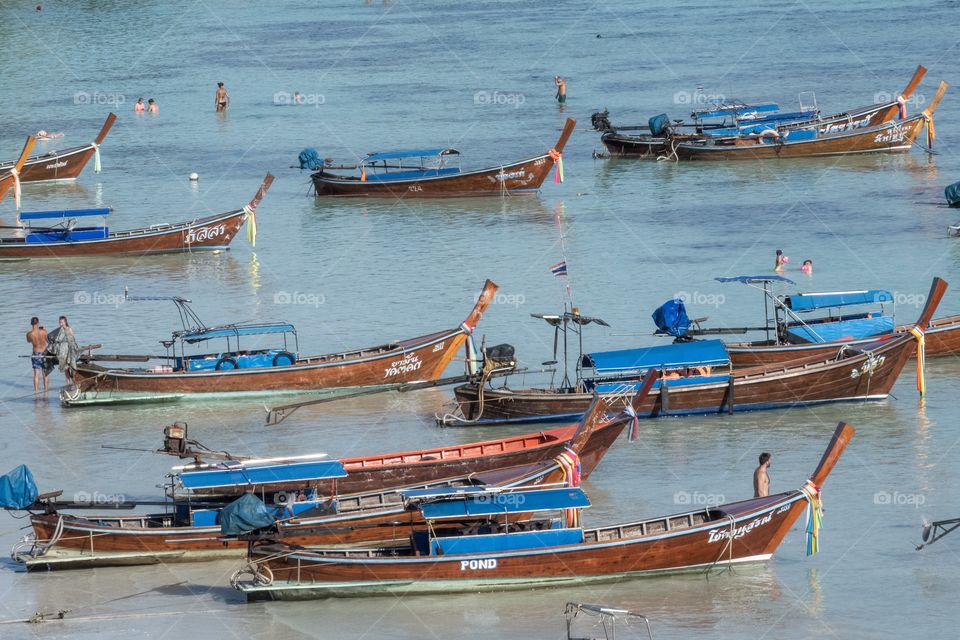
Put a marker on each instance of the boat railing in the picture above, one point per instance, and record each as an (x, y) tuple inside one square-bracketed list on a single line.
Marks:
[(649, 527)]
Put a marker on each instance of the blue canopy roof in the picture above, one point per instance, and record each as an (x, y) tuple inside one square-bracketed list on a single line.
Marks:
[(755, 279), (410, 153), (698, 353), (813, 301), (738, 110), (236, 473), (505, 502), (63, 214), (231, 331)]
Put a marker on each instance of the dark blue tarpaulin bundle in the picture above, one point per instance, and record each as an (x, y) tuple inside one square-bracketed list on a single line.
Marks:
[(658, 124), (671, 318), (310, 159), (953, 194), (17, 489), (245, 514)]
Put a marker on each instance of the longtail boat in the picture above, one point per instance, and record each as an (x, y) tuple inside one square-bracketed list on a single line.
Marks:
[(541, 552), (58, 234), (893, 136), (745, 119), (278, 370), (698, 378), (423, 173), (10, 176), (791, 334), (65, 164), (306, 498)]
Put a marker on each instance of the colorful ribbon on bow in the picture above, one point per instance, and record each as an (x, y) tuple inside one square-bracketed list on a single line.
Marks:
[(16, 187), (931, 131), (902, 107), (558, 163), (921, 352), (569, 461), (814, 516), (363, 174), (250, 217), (96, 157)]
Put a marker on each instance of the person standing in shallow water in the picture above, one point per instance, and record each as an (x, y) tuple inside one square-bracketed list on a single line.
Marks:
[(37, 336), (761, 480), (561, 90), (781, 261), (222, 99)]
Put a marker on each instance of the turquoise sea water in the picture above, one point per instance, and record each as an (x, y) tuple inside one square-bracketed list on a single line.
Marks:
[(479, 76)]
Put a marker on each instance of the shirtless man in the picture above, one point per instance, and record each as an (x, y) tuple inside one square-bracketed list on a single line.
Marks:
[(561, 89), (222, 98), (37, 336), (761, 481)]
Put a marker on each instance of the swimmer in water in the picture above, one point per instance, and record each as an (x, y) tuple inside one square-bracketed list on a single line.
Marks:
[(152, 106), (781, 261), (139, 107), (807, 267)]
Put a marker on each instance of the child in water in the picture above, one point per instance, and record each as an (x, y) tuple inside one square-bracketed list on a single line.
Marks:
[(139, 106), (781, 261), (152, 106), (807, 267)]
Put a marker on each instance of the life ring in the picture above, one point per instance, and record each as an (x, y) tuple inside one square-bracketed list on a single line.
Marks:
[(291, 359), (226, 363)]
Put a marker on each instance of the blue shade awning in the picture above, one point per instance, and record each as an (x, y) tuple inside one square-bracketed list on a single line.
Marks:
[(63, 214), (232, 331), (813, 301), (739, 110), (755, 279), (699, 353), (855, 329), (505, 502), (410, 153), (237, 473)]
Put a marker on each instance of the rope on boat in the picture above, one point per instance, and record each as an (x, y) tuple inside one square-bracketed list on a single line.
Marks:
[(260, 574), (672, 156), (37, 547), (727, 549)]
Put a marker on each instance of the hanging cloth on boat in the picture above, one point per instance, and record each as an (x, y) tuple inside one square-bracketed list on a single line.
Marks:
[(96, 157), (921, 352), (558, 163), (814, 516), (931, 131), (250, 217), (245, 514), (569, 461), (634, 423), (17, 489), (16, 187), (902, 107)]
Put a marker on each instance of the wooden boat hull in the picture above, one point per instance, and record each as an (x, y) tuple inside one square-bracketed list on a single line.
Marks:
[(895, 136), (202, 234), (517, 178), (856, 376), (942, 338), (414, 360), (365, 518), (764, 523), (66, 164), (739, 532)]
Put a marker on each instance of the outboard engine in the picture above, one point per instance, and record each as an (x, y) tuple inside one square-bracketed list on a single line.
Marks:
[(500, 356), (659, 125), (601, 121), (175, 439)]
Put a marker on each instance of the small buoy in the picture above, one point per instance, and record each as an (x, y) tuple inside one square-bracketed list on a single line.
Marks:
[(194, 177)]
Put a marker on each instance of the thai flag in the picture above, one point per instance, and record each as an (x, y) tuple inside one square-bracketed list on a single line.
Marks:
[(559, 269)]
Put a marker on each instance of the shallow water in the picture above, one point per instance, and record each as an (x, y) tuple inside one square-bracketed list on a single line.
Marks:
[(479, 77)]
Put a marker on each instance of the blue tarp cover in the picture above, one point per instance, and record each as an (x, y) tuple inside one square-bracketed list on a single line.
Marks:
[(416, 173), (245, 514), (17, 489), (237, 474), (658, 124), (493, 543), (842, 330), (231, 331), (64, 213), (671, 317), (410, 153), (755, 279), (310, 159), (505, 502), (672, 383), (699, 353), (952, 193), (813, 301)]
